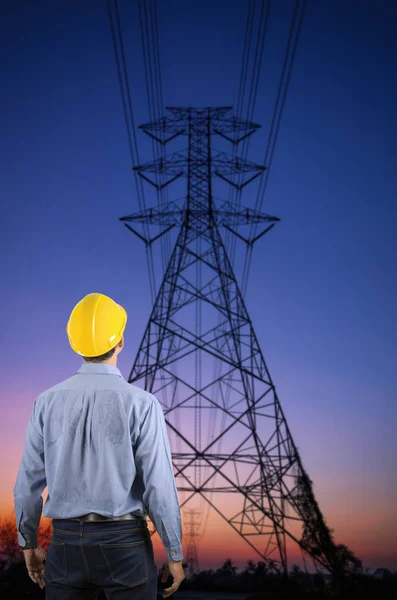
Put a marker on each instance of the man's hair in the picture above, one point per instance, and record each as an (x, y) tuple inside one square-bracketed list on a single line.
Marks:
[(102, 357)]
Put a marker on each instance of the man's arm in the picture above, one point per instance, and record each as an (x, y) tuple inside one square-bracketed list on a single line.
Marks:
[(154, 465), (30, 483)]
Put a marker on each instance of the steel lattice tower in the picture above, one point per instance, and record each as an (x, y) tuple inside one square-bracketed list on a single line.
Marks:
[(250, 471), (192, 535)]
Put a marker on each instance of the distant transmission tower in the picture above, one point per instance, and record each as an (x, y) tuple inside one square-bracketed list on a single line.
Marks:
[(192, 535), (201, 358)]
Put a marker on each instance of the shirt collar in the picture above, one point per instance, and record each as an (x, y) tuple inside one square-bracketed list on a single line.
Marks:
[(99, 368)]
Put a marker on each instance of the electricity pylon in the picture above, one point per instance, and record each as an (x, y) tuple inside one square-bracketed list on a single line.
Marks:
[(201, 358), (192, 535)]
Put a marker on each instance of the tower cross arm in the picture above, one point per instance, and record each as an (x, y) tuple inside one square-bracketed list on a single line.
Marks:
[(227, 215), (179, 162), (234, 216)]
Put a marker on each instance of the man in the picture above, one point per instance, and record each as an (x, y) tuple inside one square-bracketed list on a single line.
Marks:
[(100, 445)]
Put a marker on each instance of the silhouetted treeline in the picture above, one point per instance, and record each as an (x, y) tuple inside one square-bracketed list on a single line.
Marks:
[(258, 580), (261, 580)]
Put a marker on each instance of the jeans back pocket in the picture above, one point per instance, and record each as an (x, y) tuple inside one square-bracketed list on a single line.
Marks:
[(127, 562), (55, 567)]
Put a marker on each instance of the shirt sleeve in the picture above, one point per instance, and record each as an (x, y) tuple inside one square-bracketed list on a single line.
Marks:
[(30, 484), (154, 465)]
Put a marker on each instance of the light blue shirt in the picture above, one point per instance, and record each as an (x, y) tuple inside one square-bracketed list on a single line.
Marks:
[(100, 444)]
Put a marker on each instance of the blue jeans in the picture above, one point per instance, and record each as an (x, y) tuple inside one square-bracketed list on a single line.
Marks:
[(115, 557)]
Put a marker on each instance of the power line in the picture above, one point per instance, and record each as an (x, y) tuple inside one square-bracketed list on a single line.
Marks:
[(130, 127), (285, 78), (253, 91), (164, 191), (233, 193)]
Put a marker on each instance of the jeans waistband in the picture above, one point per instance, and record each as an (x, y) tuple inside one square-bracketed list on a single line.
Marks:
[(97, 517)]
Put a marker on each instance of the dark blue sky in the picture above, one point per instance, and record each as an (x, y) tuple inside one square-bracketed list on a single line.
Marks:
[(322, 291)]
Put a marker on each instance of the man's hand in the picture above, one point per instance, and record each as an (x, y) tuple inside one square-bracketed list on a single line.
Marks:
[(176, 569), (34, 559)]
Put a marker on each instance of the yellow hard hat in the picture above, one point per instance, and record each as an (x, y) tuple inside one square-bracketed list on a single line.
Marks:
[(96, 325)]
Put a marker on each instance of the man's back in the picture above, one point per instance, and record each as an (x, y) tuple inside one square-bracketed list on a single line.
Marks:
[(105, 450)]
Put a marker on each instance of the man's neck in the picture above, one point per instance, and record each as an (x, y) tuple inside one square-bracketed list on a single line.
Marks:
[(103, 362)]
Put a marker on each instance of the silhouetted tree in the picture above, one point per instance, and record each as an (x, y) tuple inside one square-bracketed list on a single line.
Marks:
[(262, 568), (229, 566), (247, 575), (261, 573), (10, 550), (250, 568), (349, 560), (296, 571), (272, 566)]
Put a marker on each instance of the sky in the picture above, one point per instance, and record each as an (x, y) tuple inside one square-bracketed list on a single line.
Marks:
[(322, 290)]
